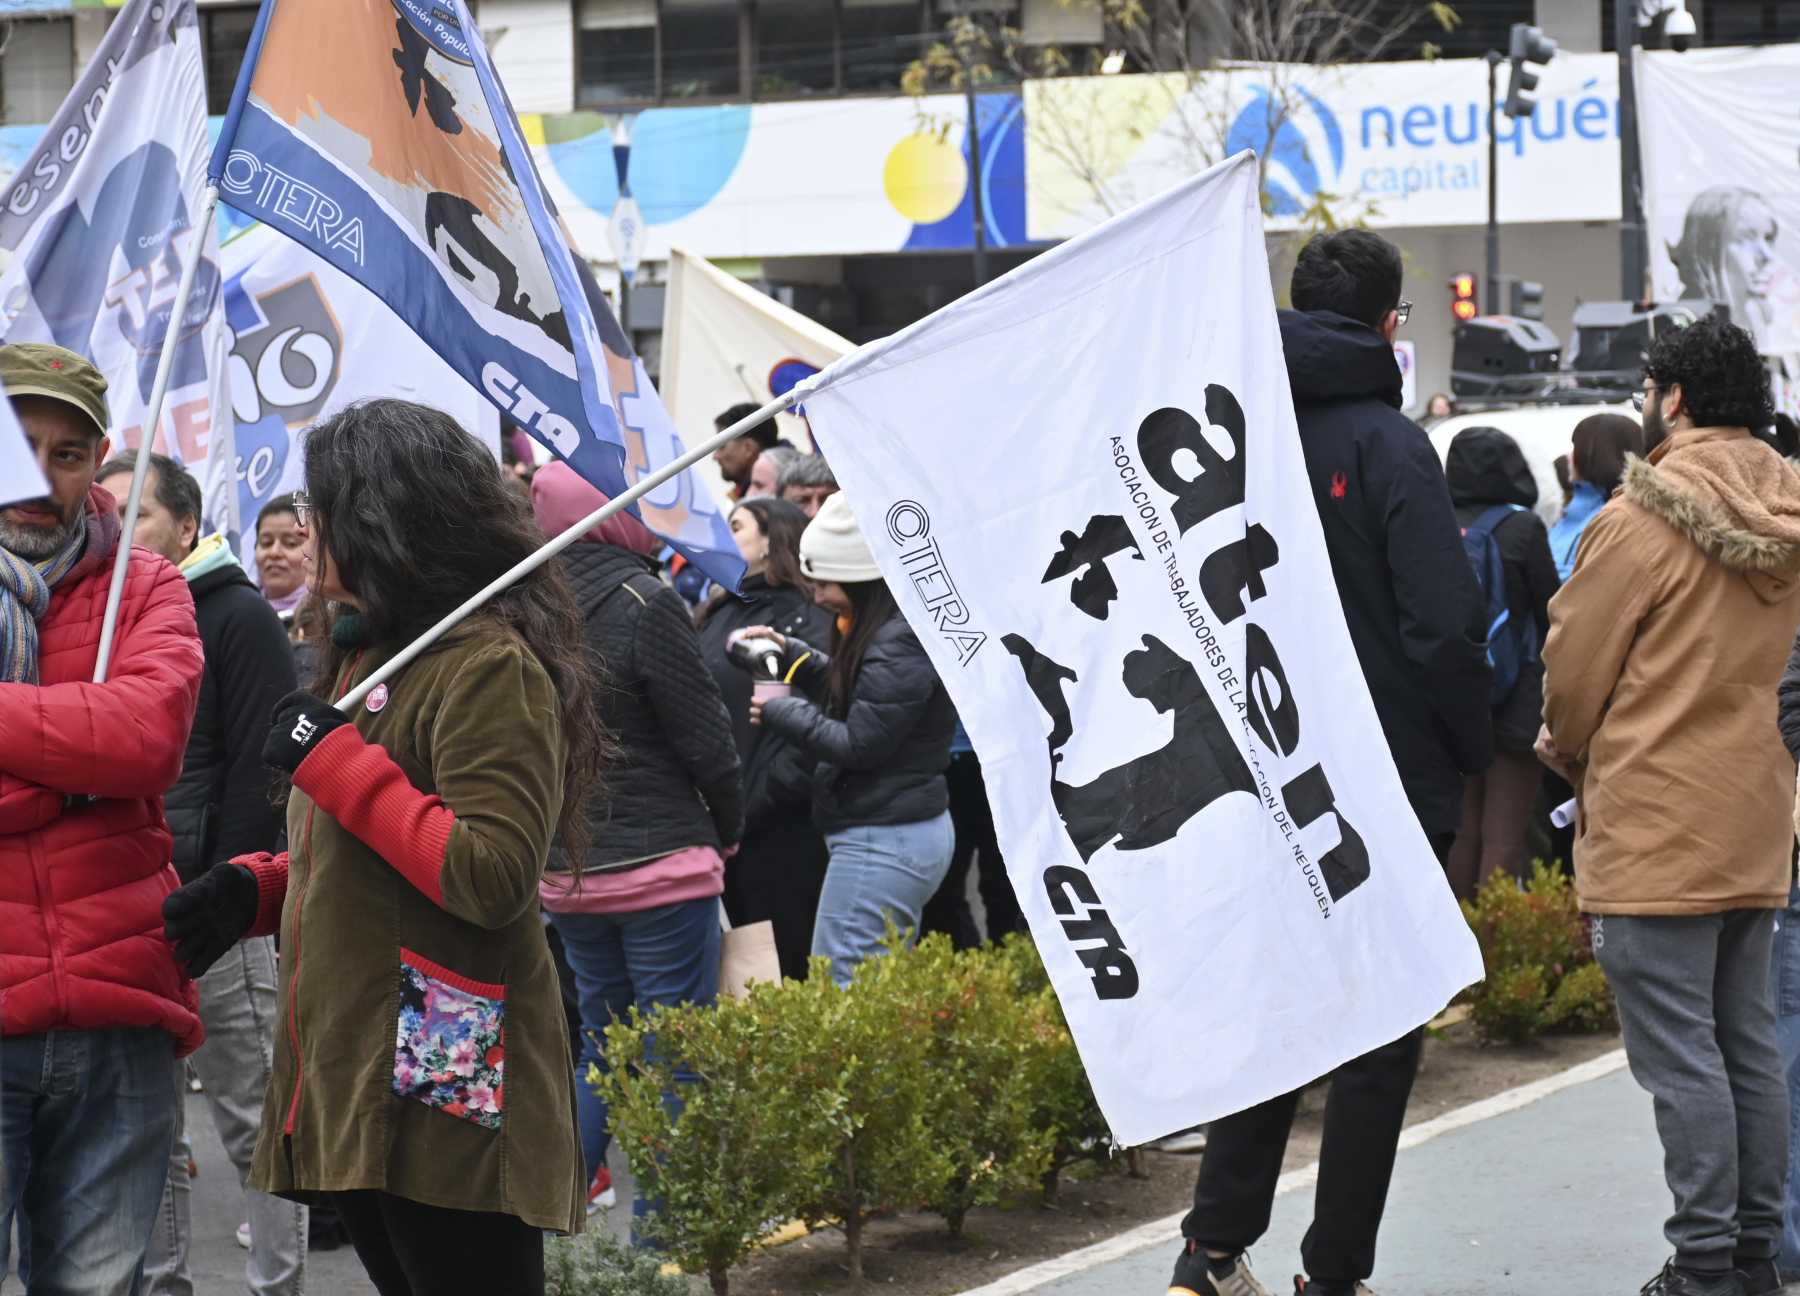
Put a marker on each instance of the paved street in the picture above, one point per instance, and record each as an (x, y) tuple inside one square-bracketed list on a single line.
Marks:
[(1563, 1195)]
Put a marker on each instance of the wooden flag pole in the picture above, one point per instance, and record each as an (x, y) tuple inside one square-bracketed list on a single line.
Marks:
[(152, 423), (541, 556)]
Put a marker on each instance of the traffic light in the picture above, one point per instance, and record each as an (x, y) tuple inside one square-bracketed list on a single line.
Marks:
[(1527, 299), (1528, 45), (1462, 297)]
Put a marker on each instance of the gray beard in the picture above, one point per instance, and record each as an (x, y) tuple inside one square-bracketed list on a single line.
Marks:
[(34, 544)]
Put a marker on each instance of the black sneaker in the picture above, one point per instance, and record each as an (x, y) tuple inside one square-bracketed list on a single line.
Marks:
[(1198, 1274), (1762, 1278), (1304, 1286), (1676, 1281)]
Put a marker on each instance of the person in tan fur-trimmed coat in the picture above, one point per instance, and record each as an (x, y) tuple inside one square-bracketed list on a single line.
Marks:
[(1664, 652)]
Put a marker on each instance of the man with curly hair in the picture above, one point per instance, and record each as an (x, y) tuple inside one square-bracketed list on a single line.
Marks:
[(1664, 652)]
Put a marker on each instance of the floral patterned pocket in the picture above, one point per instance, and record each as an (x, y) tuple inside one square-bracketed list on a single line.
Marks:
[(450, 1048)]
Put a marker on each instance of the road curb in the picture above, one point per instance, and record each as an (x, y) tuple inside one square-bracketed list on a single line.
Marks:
[(1164, 1232)]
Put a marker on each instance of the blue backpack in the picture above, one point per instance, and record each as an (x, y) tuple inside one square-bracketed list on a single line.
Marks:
[(1510, 644)]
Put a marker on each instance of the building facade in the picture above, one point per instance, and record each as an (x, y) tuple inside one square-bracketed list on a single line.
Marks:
[(773, 137)]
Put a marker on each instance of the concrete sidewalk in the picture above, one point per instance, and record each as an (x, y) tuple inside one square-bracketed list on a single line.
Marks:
[(1562, 1195)]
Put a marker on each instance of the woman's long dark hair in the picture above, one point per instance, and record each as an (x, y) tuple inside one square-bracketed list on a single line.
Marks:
[(1600, 446), (871, 604), (782, 523), (416, 515)]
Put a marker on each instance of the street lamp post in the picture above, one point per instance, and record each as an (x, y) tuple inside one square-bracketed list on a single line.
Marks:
[(977, 213), (1493, 185)]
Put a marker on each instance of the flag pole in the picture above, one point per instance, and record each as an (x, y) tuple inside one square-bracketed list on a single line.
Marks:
[(152, 423), (562, 541)]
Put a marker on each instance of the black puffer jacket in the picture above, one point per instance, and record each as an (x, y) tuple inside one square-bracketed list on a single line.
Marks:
[(674, 782), (1485, 467), (884, 761), (222, 804), (777, 774), (1787, 695), (1414, 609)]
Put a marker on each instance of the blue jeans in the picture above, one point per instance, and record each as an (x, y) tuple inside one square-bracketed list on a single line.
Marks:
[(878, 872), (666, 955), (87, 1119), (1785, 972)]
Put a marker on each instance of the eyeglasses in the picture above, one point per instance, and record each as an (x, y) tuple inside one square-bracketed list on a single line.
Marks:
[(303, 508), (1402, 312), (1641, 396)]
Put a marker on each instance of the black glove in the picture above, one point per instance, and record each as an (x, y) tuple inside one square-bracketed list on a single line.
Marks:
[(301, 723), (209, 915)]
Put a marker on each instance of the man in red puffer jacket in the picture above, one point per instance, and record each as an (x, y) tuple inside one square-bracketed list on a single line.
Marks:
[(93, 1010)]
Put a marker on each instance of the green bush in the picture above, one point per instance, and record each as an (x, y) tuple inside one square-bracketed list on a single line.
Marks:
[(985, 1048), (749, 1134), (935, 1079), (1540, 971), (1063, 1101), (597, 1264)]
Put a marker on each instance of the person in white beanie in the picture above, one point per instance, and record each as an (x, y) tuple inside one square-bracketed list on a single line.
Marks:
[(879, 724)]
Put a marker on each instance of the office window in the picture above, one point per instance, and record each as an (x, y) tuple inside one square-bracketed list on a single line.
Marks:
[(615, 51), (224, 36), (796, 47), (880, 38), (37, 70), (700, 49)]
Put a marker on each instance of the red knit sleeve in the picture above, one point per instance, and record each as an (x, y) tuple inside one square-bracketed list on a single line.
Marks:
[(358, 784), (271, 875)]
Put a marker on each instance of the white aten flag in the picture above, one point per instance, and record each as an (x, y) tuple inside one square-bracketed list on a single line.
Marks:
[(94, 225), (20, 476), (1721, 143), (1085, 487), (725, 343), (306, 340)]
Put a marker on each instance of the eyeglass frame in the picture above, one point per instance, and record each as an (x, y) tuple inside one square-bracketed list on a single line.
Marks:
[(304, 508), (1641, 397), (1402, 312)]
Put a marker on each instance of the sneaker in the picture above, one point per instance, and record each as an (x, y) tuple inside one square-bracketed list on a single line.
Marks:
[(1304, 1286), (1183, 1143), (600, 1193), (1198, 1274), (1676, 1281), (1762, 1278), (243, 1235)]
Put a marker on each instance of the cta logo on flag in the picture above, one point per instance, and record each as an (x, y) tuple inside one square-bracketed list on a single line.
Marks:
[(375, 133), (1114, 561)]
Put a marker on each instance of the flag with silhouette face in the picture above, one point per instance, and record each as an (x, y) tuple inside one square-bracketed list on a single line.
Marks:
[(376, 133), (1112, 556)]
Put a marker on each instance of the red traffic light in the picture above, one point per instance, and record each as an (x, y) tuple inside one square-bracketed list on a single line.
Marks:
[(1463, 308), (1462, 287)]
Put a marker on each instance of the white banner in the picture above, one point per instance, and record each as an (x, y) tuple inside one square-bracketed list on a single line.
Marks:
[(307, 340), (1114, 563), (95, 224), (20, 476), (725, 343), (1721, 148)]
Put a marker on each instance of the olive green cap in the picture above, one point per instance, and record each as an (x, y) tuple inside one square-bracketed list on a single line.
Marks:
[(39, 369)]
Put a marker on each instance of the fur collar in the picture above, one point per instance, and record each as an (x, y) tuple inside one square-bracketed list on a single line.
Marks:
[(1707, 526)]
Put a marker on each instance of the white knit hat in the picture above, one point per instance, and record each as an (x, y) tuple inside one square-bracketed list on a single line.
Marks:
[(832, 549)]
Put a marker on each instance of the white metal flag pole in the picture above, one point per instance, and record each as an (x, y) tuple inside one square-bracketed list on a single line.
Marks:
[(152, 422), (553, 547)]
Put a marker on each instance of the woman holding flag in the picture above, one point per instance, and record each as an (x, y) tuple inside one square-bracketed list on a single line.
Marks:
[(421, 1049)]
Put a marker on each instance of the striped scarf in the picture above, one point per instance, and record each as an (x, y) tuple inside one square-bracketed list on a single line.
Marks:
[(24, 598)]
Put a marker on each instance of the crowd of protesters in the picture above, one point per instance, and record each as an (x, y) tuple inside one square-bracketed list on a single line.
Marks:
[(387, 940)]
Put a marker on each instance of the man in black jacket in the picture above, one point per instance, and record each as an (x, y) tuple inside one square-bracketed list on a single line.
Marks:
[(1416, 620), (219, 808)]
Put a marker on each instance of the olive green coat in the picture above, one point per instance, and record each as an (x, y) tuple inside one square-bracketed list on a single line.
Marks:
[(478, 724)]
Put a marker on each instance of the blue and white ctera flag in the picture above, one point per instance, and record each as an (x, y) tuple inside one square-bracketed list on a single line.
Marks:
[(376, 133), (93, 229)]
